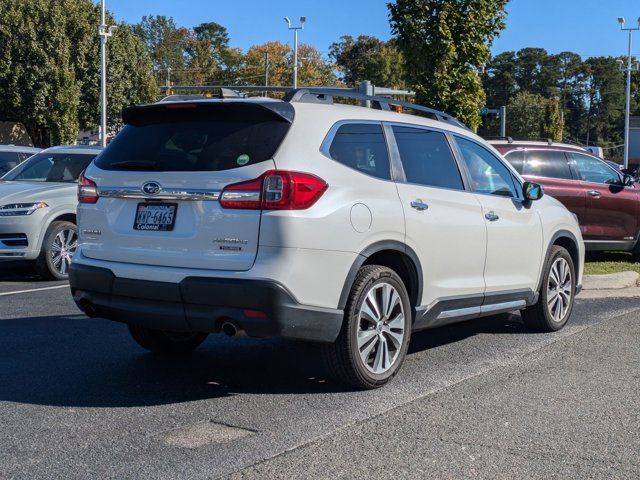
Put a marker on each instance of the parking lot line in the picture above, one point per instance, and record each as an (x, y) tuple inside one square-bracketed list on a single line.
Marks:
[(3, 294)]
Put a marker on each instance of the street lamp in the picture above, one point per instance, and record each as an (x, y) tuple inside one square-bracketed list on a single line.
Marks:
[(629, 68), (104, 32), (295, 46)]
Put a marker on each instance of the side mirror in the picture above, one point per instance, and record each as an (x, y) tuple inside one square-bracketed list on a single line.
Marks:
[(628, 180), (532, 191)]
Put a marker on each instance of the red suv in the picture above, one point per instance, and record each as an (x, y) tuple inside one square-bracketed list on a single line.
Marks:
[(605, 200)]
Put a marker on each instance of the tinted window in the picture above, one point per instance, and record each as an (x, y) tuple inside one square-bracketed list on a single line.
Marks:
[(427, 158), (516, 159), (8, 160), (189, 138), (547, 163), (362, 147), (593, 170), (488, 174), (51, 167)]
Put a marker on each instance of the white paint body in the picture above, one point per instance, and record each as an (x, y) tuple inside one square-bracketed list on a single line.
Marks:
[(311, 251)]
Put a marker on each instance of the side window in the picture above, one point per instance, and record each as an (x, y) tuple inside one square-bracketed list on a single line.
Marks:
[(362, 146), (426, 158), (8, 160), (516, 159), (488, 174), (593, 170), (547, 163)]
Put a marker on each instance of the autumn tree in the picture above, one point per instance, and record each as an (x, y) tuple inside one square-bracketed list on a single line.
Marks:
[(445, 43)]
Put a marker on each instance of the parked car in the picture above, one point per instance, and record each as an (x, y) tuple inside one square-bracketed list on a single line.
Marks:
[(314, 221), (605, 200), (38, 202), (12, 155)]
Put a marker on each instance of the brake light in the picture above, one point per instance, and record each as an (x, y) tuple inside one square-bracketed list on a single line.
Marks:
[(275, 190), (87, 190)]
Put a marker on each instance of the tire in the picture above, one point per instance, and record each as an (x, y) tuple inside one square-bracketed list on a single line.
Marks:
[(555, 301), (59, 245), (357, 359), (166, 343)]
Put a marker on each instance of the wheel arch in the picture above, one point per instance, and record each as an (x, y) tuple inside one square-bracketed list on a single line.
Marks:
[(567, 240), (392, 254), (63, 216)]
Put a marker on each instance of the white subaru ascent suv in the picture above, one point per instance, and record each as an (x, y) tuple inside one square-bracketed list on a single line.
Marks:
[(310, 220)]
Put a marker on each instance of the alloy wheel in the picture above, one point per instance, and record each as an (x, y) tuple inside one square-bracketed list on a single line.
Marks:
[(559, 289), (62, 249), (381, 328)]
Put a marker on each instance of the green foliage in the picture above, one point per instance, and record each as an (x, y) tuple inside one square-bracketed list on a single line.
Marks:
[(531, 115), (49, 68), (444, 43), (369, 58)]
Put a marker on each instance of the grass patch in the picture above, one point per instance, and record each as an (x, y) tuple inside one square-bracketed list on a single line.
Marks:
[(599, 263)]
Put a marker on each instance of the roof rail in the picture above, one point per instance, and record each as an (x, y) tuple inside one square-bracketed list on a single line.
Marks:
[(508, 139), (326, 95)]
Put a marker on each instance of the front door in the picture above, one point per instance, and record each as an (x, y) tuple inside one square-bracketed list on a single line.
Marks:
[(514, 233)]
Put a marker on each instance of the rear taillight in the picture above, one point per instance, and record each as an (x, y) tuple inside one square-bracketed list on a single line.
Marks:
[(87, 190), (275, 190)]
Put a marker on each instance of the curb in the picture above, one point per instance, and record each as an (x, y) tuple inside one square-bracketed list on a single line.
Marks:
[(611, 281)]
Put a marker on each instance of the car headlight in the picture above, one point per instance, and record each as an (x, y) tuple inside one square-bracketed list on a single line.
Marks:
[(20, 209)]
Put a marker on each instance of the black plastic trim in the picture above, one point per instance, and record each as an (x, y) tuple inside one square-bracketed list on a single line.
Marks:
[(202, 304), (375, 248)]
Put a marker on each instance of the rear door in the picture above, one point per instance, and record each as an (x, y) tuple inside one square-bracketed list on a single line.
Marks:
[(444, 223), (612, 209), (551, 169), (159, 181)]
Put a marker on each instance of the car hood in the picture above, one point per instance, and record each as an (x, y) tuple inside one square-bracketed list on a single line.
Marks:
[(19, 192)]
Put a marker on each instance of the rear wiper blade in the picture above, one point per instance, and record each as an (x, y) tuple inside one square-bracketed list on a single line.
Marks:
[(135, 164)]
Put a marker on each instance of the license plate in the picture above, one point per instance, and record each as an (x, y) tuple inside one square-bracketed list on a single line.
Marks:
[(157, 217)]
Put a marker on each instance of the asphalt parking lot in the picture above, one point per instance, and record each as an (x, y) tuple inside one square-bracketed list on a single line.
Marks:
[(484, 399)]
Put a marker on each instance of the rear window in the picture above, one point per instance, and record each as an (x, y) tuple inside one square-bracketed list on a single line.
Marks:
[(188, 138), (516, 159), (362, 146)]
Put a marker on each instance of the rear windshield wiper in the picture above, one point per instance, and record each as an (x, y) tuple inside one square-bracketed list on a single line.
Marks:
[(135, 165)]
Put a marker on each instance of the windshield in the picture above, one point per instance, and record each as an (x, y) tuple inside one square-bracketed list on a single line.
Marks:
[(51, 167)]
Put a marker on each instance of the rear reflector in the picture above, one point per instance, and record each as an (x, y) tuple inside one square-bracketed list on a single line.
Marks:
[(87, 190), (275, 190)]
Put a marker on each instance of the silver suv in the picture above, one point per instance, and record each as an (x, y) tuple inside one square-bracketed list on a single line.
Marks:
[(38, 208)]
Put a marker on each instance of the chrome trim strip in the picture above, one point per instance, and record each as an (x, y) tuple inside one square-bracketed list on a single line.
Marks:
[(188, 194), (508, 306), (459, 312), (495, 307), (248, 196)]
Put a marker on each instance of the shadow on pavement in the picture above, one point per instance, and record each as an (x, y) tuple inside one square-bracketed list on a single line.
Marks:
[(74, 361), (17, 271)]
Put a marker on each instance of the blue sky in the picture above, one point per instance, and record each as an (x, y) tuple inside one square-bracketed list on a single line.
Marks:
[(587, 27)]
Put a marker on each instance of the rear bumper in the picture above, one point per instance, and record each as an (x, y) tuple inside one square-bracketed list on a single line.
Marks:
[(202, 304)]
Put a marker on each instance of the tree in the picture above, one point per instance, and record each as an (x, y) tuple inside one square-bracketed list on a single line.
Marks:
[(368, 58), (49, 68), (167, 45), (531, 115), (313, 69), (444, 43)]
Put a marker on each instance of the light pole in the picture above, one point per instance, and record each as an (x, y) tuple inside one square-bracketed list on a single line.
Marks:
[(104, 32), (295, 46), (628, 69)]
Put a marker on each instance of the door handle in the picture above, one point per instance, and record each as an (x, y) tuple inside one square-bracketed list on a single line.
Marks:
[(419, 205), (491, 216), (594, 193)]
